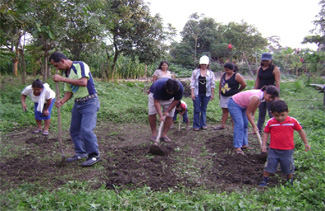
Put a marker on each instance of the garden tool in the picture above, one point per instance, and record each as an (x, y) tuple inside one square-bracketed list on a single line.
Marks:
[(59, 122), (154, 148)]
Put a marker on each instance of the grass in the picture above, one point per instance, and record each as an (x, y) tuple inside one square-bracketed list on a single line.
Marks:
[(124, 102)]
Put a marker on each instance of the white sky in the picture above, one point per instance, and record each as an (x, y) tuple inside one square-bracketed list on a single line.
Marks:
[(291, 20)]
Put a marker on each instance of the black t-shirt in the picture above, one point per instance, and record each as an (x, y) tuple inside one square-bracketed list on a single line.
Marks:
[(229, 87), (266, 77), (202, 85)]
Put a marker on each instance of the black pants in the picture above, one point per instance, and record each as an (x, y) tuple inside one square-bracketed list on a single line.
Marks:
[(262, 113)]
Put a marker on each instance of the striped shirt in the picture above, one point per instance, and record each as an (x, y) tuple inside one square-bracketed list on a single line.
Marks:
[(80, 70)]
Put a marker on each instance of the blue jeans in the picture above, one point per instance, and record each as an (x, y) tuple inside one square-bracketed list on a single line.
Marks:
[(200, 109), (185, 117), (83, 122), (262, 113), (238, 115)]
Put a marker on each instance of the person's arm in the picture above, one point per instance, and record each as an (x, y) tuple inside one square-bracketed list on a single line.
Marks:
[(277, 76), (154, 78), (192, 94), (76, 82), (264, 141), (65, 98), (257, 81), (46, 107), (304, 139), (212, 94), (158, 109), (171, 106), (250, 111), (241, 81), (220, 85), (23, 101)]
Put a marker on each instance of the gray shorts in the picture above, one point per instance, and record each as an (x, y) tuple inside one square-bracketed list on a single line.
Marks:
[(224, 101), (284, 157), (164, 103)]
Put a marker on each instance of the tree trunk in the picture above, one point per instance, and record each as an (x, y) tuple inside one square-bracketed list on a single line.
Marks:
[(244, 56), (22, 54), (15, 66)]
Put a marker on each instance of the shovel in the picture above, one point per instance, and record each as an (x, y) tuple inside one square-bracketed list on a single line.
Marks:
[(154, 148), (59, 122), (263, 155), (179, 124)]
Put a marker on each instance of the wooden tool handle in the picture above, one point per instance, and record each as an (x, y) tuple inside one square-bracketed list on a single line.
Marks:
[(59, 116), (259, 138), (159, 131)]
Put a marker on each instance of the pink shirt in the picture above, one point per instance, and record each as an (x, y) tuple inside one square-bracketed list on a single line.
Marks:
[(243, 98)]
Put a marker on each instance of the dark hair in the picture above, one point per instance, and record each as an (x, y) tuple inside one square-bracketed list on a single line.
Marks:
[(37, 84), (231, 66), (161, 63), (279, 106), (271, 90), (172, 85), (57, 56)]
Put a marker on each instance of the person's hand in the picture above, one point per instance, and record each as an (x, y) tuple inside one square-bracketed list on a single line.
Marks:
[(58, 78), (255, 129), (307, 147), (193, 96), (46, 112), (24, 108), (58, 103), (212, 97), (162, 118), (264, 149)]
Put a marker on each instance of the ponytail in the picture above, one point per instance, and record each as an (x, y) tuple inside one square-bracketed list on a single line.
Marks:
[(271, 90)]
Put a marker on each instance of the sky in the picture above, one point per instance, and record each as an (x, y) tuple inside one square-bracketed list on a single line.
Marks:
[(291, 20)]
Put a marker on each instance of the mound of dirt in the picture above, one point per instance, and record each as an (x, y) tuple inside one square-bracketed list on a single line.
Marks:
[(203, 160)]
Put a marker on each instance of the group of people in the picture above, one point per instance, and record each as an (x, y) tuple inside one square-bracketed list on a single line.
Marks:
[(164, 99), (241, 105)]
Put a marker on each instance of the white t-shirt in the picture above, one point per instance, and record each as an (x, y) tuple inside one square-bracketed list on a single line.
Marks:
[(159, 73), (49, 93)]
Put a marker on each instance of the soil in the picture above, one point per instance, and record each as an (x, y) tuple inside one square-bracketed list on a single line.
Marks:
[(194, 160)]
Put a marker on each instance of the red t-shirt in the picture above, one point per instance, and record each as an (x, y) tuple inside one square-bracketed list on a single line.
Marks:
[(282, 133)]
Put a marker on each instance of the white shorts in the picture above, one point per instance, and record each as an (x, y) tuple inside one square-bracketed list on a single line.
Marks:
[(164, 103), (224, 101)]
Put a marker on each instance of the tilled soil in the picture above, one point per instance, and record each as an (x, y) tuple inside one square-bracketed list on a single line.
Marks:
[(203, 160)]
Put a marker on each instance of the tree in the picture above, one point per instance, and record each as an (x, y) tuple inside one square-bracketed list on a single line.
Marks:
[(134, 32), (13, 23), (319, 30)]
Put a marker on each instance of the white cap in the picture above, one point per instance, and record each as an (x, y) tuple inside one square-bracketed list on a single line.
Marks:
[(204, 60)]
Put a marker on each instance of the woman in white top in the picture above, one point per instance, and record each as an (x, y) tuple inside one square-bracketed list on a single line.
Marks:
[(162, 72), (43, 97)]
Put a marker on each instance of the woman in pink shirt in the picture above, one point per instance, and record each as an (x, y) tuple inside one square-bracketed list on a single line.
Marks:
[(242, 107)]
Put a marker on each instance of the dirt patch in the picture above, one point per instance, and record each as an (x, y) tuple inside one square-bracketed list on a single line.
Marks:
[(203, 159)]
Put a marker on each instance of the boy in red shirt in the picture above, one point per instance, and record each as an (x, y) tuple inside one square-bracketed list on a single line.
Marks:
[(281, 127)]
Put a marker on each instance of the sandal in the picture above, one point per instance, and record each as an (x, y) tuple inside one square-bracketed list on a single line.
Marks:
[(245, 147), (153, 138), (239, 151), (37, 131), (204, 128), (196, 129), (219, 128), (165, 139), (45, 133)]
